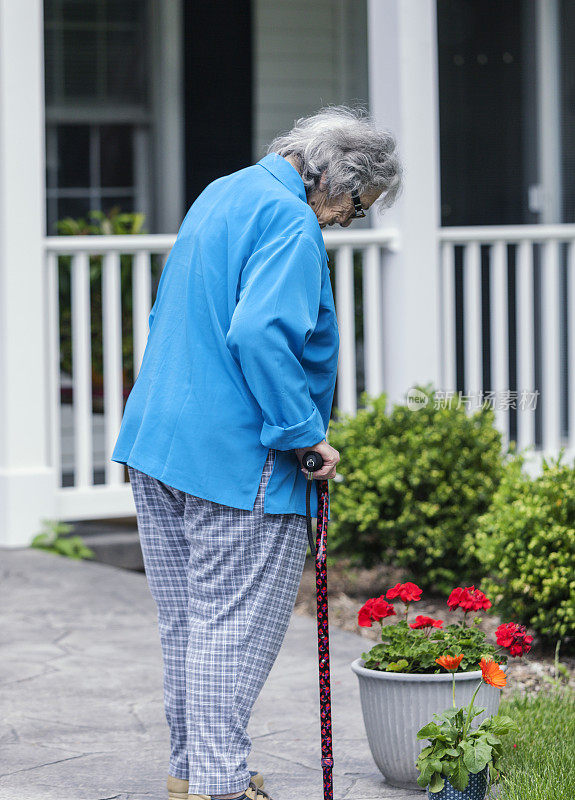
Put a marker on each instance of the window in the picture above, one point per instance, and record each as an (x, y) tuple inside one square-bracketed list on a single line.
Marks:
[(97, 107)]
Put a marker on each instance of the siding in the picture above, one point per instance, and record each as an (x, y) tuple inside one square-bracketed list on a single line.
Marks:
[(306, 55)]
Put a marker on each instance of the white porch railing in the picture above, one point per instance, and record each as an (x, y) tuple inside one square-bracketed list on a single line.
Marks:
[(504, 322), (508, 309), (81, 442)]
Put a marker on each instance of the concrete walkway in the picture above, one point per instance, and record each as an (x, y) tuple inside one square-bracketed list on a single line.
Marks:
[(81, 694)]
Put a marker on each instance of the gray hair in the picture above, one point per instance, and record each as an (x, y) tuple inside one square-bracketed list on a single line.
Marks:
[(346, 144)]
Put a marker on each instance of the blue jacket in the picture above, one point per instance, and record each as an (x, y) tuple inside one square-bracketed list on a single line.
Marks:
[(243, 346)]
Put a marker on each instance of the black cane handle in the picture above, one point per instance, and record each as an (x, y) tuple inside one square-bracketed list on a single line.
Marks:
[(312, 460)]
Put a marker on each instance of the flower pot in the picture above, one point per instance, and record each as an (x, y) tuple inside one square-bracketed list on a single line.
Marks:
[(396, 705), (475, 789)]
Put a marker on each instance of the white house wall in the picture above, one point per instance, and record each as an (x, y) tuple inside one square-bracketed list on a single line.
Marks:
[(306, 55)]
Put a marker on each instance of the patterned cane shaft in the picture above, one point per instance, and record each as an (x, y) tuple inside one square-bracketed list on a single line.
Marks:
[(323, 638)]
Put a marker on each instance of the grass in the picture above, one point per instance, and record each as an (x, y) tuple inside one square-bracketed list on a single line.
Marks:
[(542, 765)]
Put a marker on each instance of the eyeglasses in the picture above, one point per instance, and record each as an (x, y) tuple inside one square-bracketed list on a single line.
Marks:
[(359, 212)]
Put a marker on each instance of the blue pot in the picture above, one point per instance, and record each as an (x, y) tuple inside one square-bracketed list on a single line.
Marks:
[(475, 790)]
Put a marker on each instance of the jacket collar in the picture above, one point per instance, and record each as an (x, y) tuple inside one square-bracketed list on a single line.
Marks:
[(281, 169)]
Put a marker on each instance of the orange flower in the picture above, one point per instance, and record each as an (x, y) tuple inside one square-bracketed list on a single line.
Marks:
[(450, 662), (492, 674)]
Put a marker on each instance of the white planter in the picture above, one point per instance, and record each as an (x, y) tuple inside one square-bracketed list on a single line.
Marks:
[(396, 705)]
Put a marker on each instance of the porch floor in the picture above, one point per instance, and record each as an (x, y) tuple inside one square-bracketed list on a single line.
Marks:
[(81, 694)]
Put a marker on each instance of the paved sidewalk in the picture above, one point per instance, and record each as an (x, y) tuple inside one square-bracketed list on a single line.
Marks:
[(81, 694)]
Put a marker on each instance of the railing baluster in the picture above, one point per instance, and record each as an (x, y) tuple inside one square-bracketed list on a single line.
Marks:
[(525, 343), (448, 350), (472, 318), (112, 333), (142, 286), (550, 352), (54, 364), (81, 366), (372, 320), (346, 396), (499, 336)]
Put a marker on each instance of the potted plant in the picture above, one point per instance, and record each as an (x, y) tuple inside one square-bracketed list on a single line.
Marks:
[(402, 684), (460, 762)]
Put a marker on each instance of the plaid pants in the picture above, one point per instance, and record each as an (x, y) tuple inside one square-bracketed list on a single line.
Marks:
[(225, 582)]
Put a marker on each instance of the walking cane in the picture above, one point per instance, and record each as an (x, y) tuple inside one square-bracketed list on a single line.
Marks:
[(313, 461)]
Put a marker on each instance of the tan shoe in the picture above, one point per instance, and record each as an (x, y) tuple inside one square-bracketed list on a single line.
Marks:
[(178, 788), (257, 778), (255, 792)]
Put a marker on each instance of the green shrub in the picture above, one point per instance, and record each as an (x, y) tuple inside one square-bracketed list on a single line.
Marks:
[(527, 543), (55, 538), (414, 484)]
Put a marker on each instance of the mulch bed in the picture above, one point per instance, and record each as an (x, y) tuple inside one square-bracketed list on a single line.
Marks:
[(349, 587)]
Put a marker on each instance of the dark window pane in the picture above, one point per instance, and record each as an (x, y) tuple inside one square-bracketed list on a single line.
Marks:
[(116, 155), (50, 60), (125, 67), (80, 10), (484, 75), (73, 156), (125, 203), (73, 207), (125, 10), (50, 9), (80, 63)]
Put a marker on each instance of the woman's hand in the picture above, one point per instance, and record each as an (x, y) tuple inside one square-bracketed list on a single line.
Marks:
[(330, 460)]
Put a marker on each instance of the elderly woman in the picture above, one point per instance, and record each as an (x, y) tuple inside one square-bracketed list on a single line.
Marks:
[(236, 383)]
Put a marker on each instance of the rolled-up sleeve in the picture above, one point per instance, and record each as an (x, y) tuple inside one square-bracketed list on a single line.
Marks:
[(277, 311)]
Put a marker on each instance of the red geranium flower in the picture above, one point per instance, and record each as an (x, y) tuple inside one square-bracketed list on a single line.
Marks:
[(364, 615), (405, 591), (455, 597), (469, 599), (374, 610), (426, 622), (514, 637)]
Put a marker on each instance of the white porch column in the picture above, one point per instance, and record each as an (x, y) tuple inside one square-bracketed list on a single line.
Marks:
[(168, 112), (26, 476), (403, 93)]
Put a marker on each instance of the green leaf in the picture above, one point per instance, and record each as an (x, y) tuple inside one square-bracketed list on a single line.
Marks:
[(476, 756), (437, 782), (475, 711), (42, 540), (428, 731), (398, 666), (423, 780), (459, 777), (450, 713), (502, 725)]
